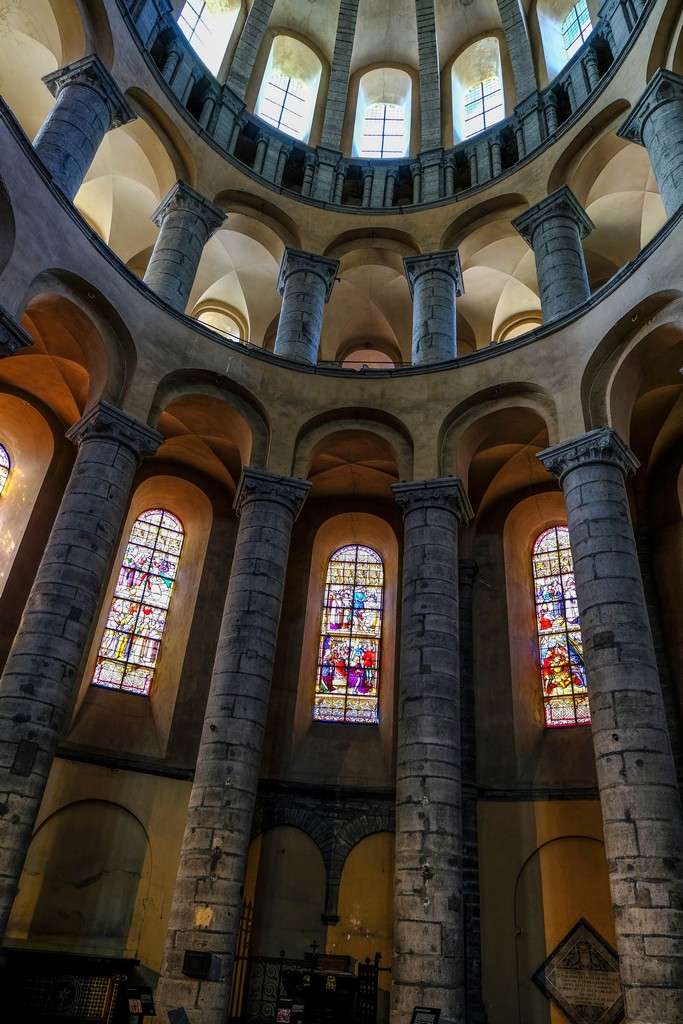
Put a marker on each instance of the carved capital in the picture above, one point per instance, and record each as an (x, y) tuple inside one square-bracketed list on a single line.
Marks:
[(562, 203), (446, 262), (328, 157), (260, 485), (444, 492), (602, 445), (664, 87), (105, 422), (91, 73), (184, 199), (296, 261), (430, 157), (13, 337), (531, 104)]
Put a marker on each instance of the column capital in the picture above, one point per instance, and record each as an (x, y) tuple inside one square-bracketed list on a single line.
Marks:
[(106, 422), (663, 87), (562, 203), (90, 72), (13, 337), (296, 261), (601, 445), (445, 492), (259, 484), (447, 262), (182, 197)]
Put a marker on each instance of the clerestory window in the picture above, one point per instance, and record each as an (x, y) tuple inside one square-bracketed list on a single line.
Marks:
[(283, 104), (576, 28), (207, 25), (563, 675), (347, 684), (483, 106), (5, 466), (129, 649), (383, 133)]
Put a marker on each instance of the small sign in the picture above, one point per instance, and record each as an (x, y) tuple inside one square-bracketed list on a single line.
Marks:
[(425, 1015), (581, 976)]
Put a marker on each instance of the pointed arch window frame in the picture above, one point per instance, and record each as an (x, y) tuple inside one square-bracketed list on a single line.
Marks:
[(350, 639), (129, 648), (562, 670), (5, 467)]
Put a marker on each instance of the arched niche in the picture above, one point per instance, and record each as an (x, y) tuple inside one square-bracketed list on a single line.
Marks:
[(84, 882), (29, 442), (285, 882), (564, 880), (343, 753), (128, 723), (366, 908)]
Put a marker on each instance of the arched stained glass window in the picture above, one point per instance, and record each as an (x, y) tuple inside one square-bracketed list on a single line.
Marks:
[(5, 466), (347, 685), (563, 675), (129, 649), (576, 28)]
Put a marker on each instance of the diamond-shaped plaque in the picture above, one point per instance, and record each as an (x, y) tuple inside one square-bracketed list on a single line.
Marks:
[(581, 976)]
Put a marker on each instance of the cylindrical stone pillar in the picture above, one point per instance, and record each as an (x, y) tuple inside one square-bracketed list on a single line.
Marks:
[(89, 103), (45, 661), (636, 776), (656, 122), (435, 279), (554, 229), (186, 221), (427, 964), (207, 903), (305, 284)]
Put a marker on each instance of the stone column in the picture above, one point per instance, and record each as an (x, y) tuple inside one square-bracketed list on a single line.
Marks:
[(435, 279), (248, 46), (305, 284), (208, 897), (89, 103), (656, 122), (636, 776), (519, 47), (335, 108), (45, 662), (476, 1012), (430, 91), (427, 965), (554, 229), (13, 337), (186, 221)]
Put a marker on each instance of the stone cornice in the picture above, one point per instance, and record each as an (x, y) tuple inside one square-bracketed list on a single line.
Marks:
[(442, 492), (561, 203), (261, 485), (183, 198), (90, 72), (663, 87), (13, 337), (296, 261), (446, 262), (597, 446), (108, 423)]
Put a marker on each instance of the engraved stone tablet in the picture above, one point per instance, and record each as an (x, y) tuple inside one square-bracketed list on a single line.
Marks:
[(581, 976)]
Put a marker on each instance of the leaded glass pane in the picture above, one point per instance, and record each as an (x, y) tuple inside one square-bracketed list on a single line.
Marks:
[(383, 133), (5, 467), (132, 636), (576, 28), (563, 675), (284, 104), (483, 106), (347, 683)]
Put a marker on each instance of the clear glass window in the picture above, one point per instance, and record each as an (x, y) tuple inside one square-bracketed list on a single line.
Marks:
[(283, 104), (347, 684), (129, 649), (483, 106), (563, 675), (576, 28), (383, 133), (206, 31)]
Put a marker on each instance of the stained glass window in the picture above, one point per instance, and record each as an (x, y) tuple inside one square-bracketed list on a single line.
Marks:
[(576, 27), (347, 684), (483, 106), (129, 649), (563, 675), (5, 466)]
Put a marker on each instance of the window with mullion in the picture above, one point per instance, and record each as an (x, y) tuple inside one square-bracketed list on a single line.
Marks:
[(283, 104), (483, 106), (383, 131), (576, 28)]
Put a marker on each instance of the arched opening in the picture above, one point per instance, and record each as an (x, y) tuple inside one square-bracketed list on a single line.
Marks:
[(382, 128), (207, 26), (290, 87), (478, 100)]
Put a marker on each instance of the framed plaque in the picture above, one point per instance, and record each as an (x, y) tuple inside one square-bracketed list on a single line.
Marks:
[(581, 976)]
